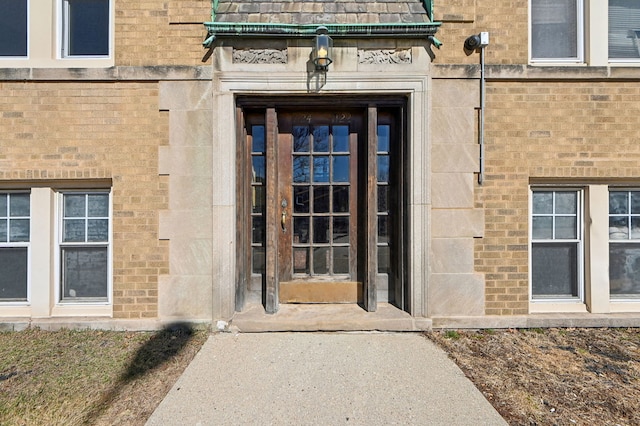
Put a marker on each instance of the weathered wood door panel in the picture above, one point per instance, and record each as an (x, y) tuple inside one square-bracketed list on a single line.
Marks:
[(318, 200)]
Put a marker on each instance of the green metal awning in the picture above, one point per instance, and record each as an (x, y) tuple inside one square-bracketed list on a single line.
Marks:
[(216, 29)]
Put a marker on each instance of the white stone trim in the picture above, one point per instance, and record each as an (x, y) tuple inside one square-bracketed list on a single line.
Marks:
[(414, 85), (556, 307)]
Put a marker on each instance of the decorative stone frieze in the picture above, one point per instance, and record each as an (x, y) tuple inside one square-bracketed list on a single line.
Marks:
[(384, 56), (259, 56)]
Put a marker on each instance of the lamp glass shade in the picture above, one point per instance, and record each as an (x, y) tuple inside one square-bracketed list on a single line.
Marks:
[(322, 51)]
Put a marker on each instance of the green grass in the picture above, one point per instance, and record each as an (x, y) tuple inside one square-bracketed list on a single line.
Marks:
[(452, 334), (71, 377)]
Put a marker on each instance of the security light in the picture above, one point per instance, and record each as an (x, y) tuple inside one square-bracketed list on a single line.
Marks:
[(475, 42)]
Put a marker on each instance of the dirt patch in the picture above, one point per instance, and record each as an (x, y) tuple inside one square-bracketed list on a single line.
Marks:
[(552, 376), (90, 377)]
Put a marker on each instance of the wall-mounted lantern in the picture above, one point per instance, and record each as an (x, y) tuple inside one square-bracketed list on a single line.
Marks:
[(322, 49)]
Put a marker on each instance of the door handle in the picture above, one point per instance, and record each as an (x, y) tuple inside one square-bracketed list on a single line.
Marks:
[(283, 219)]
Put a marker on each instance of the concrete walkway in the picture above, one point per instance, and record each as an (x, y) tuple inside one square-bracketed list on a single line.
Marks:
[(323, 379)]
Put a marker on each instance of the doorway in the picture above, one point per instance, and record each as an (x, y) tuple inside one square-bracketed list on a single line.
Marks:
[(320, 204)]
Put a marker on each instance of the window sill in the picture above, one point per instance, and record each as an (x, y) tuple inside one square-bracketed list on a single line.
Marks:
[(21, 310), (75, 62), (557, 64), (539, 307), (82, 310), (625, 306)]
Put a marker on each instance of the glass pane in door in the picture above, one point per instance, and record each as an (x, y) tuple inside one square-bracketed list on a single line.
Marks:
[(321, 189)]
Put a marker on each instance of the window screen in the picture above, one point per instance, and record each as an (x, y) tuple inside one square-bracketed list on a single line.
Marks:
[(624, 29), (555, 247), (624, 243), (84, 246), (13, 28), (14, 238), (86, 27), (555, 29)]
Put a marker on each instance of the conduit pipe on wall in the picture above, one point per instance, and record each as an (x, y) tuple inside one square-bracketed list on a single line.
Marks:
[(475, 43), (481, 118)]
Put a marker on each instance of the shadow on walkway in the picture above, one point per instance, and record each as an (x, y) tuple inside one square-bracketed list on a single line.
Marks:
[(162, 347)]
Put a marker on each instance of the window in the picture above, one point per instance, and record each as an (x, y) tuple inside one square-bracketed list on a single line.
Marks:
[(14, 246), (85, 29), (556, 30), (556, 249), (84, 247), (624, 243), (624, 29), (13, 28)]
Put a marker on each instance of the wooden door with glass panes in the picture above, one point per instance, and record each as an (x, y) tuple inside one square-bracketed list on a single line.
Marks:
[(320, 204), (317, 196)]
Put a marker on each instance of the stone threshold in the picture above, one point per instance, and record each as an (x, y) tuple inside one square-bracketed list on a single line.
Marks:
[(326, 317)]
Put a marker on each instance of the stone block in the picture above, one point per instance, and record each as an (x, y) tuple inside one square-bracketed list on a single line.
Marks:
[(191, 256), (453, 125), (456, 93), (186, 95), (185, 161), (458, 158), (185, 223), (452, 255), (191, 128), (190, 192), (184, 297), (457, 223), (456, 295), (452, 190)]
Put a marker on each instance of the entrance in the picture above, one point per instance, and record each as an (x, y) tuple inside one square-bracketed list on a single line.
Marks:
[(320, 203), (318, 194)]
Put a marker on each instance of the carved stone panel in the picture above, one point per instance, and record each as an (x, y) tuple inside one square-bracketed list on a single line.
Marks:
[(259, 56), (384, 56)]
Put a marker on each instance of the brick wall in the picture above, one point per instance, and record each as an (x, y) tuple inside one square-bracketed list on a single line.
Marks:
[(566, 131), (506, 21), (83, 131), (160, 32)]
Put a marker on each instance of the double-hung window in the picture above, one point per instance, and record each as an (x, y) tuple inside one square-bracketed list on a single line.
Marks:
[(624, 30), (14, 246), (557, 30), (624, 244), (85, 28), (556, 245), (84, 247), (13, 28)]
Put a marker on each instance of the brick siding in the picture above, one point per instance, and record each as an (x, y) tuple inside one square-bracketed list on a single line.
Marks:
[(84, 131)]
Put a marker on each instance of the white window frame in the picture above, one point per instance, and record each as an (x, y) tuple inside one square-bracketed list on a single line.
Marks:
[(9, 244), (63, 35), (629, 240), (65, 304), (580, 22), (562, 303), (10, 58)]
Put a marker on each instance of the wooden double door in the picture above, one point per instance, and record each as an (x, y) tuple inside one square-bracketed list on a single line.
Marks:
[(319, 195)]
